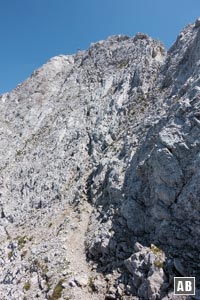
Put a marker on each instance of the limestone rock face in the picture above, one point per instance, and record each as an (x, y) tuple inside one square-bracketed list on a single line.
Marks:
[(100, 173)]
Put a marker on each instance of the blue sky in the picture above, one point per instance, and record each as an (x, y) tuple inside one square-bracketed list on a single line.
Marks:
[(32, 31)]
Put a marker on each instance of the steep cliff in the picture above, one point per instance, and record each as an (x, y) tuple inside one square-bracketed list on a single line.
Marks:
[(99, 191)]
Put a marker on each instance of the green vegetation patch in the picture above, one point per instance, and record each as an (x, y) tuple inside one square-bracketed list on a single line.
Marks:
[(21, 241), (10, 254), (156, 250), (158, 264), (91, 283), (57, 292), (27, 286)]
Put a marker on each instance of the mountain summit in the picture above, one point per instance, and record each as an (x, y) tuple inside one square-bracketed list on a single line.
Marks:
[(100, 173)]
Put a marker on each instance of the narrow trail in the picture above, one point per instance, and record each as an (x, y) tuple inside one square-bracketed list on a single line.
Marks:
[(79, 267)]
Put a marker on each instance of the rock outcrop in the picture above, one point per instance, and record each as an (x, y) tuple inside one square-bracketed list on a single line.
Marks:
[(100, 180)]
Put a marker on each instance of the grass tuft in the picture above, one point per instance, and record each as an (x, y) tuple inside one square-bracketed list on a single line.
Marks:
[(27, 286), (57, 292)]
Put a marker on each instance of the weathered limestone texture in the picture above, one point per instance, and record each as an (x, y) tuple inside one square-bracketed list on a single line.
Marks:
[(100, 173)]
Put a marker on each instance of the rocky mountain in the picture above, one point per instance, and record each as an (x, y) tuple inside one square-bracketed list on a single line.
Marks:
[(100, 173)]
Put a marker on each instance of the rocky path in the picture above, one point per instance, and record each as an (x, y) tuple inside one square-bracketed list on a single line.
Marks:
[(39, 254), (82, 277)]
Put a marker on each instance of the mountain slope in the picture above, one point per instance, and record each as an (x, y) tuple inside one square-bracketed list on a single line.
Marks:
[(99, 172)]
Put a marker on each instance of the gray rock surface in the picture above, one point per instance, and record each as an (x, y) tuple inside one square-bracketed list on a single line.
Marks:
[(146, 267), (100, 180)]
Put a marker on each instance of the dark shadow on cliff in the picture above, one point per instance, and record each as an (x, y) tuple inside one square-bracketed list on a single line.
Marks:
[(132, 222)]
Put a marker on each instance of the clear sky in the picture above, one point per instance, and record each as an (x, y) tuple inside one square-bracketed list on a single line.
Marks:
[(32, 31)]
